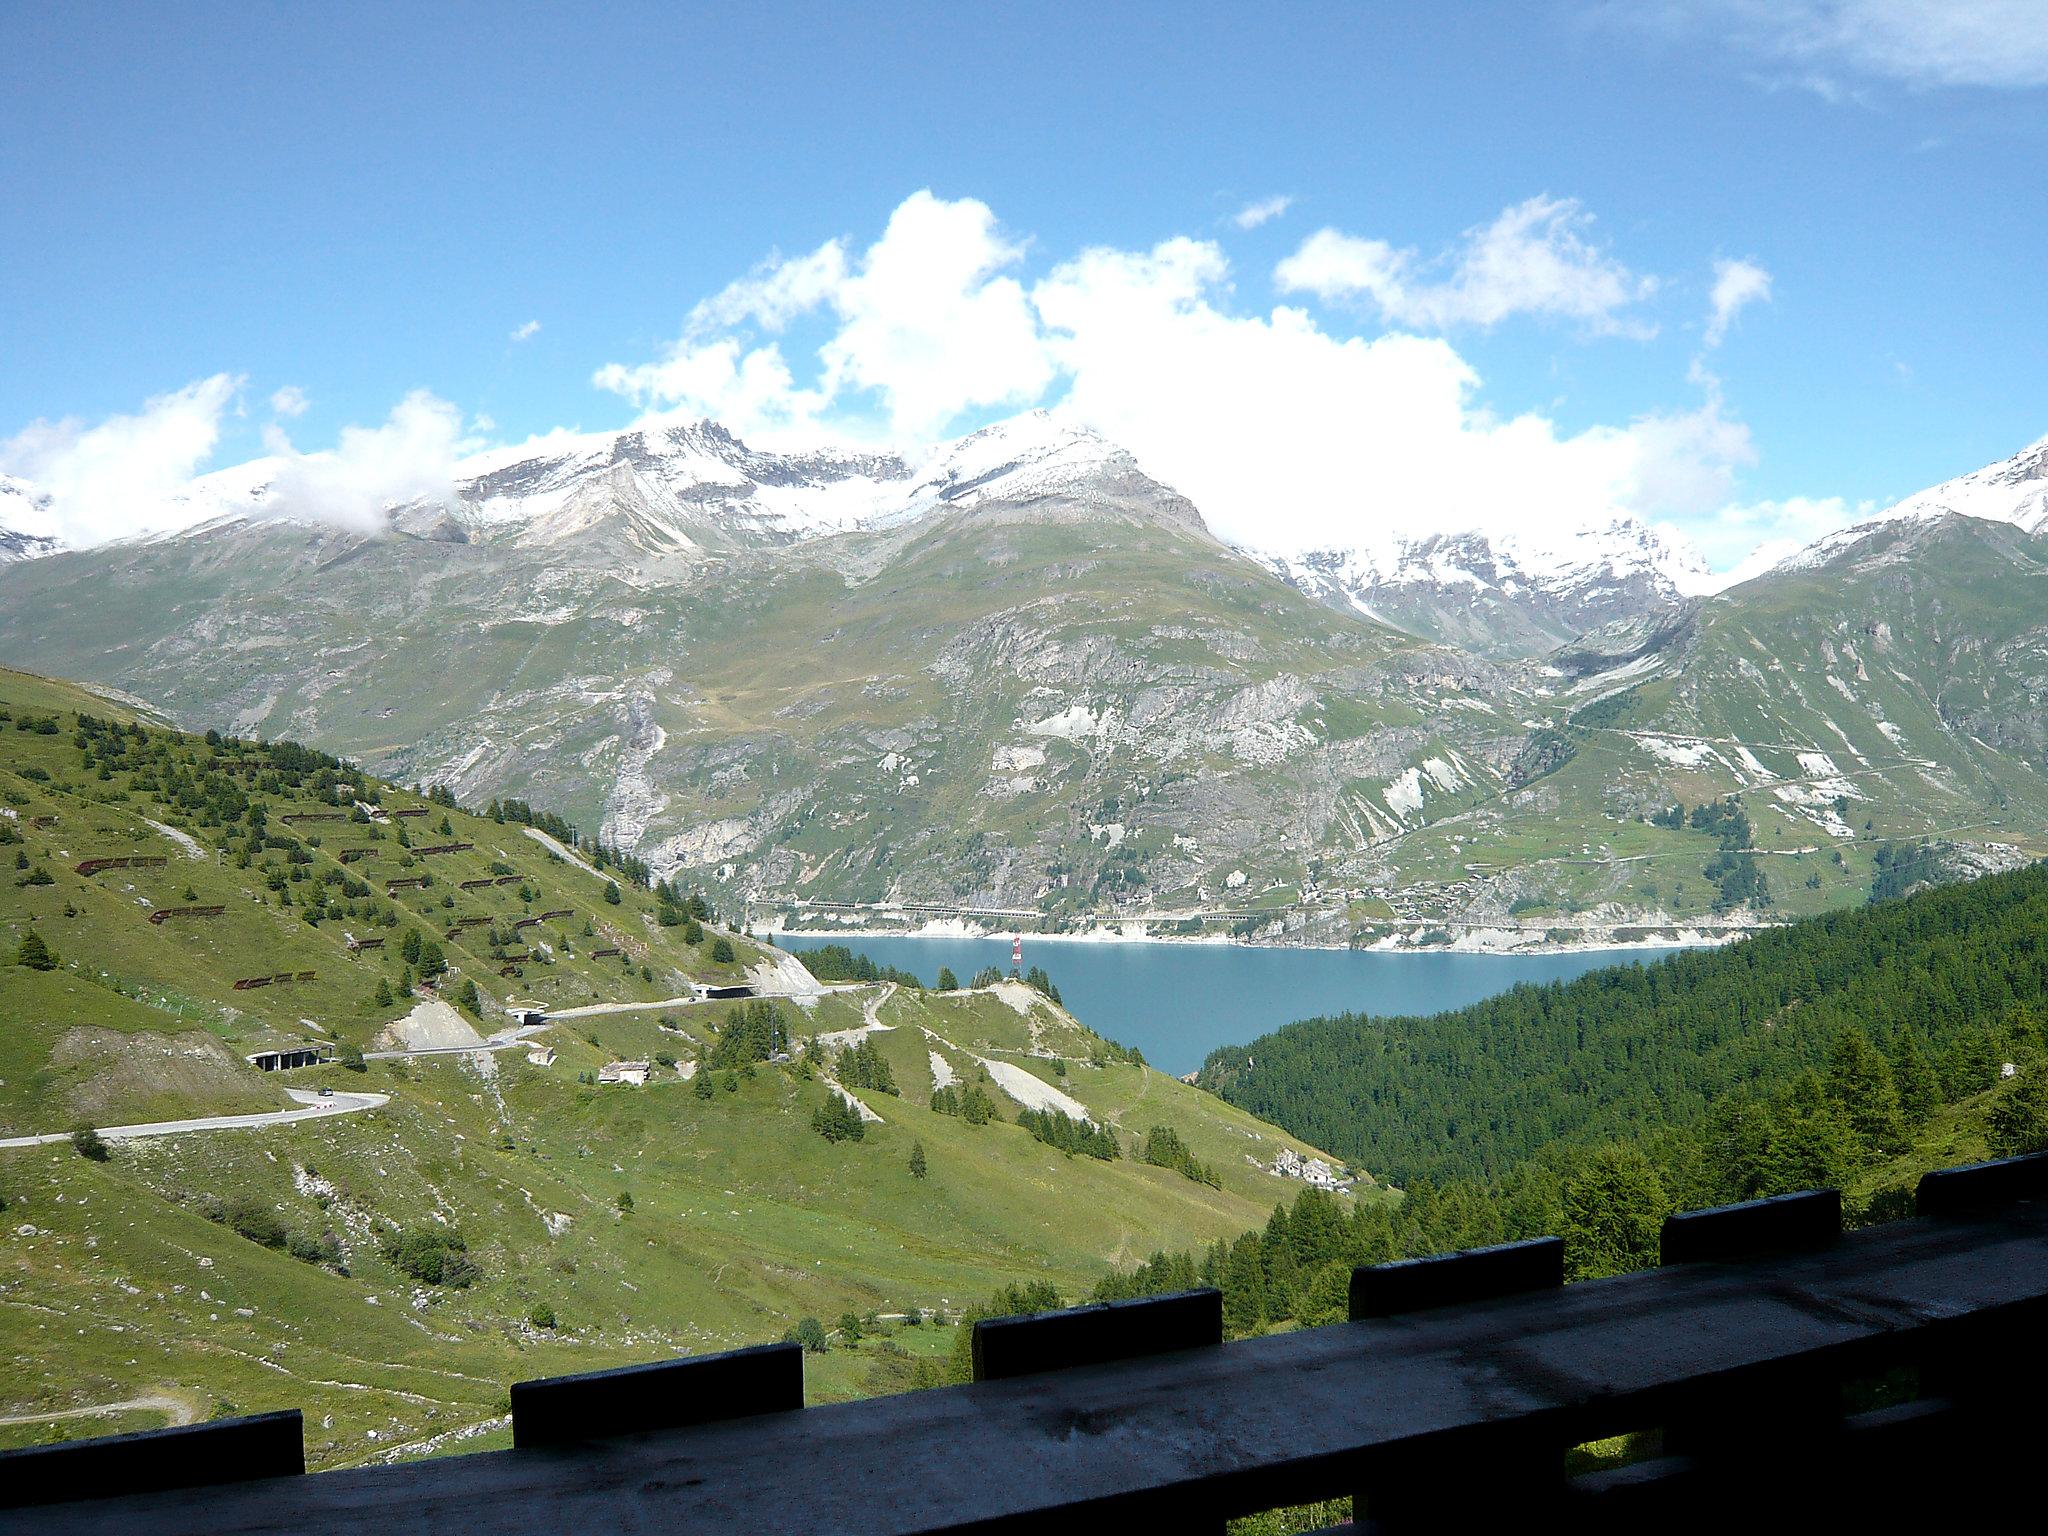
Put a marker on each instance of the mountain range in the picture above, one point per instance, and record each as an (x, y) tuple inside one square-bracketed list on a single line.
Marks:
[(1022, 676)]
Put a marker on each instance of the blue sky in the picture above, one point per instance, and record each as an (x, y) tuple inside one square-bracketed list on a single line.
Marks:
[(363, 203)]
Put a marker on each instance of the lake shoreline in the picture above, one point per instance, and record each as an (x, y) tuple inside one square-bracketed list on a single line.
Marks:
[(1179, 999), (1477, 943)]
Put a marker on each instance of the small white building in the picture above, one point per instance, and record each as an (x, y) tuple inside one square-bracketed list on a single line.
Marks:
[(634, 1072), (541, 1055), (1290, 1164)]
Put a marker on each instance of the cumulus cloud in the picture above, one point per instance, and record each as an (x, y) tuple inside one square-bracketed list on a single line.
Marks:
[(1291, 437), (410, 457), (527, 331), (289, 401), (928, 326), (1736, 285), (1264, 211), (1288, 433), (1922, 44), (125, 475), (1536, 258)]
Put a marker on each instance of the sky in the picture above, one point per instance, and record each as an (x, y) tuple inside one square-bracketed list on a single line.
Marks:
[(1341, 272)]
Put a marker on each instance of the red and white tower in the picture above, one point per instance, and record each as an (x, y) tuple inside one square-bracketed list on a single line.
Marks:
[(1017, 954)]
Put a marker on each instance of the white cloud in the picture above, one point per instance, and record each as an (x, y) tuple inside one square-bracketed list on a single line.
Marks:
[(527, 331), (1264, 211), (1746, 539), (1286, 433), (1535, 258), (1289, 437), (1918, 43), (289, 401), (927, 328), (410, 457), (123, 476), (1737, 284)]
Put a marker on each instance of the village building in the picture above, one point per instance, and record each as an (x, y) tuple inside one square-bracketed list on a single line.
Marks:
[(1313, 1171), (633, 1072)]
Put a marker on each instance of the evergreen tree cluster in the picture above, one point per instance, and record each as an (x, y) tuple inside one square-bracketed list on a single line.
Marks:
[(971, 1103), (837, 1120), (1944, 986), (1071, 1136), (836, 962), (755, 1031), (1904, 867), (1036, 979), (864, 1066), (1165, 1149)]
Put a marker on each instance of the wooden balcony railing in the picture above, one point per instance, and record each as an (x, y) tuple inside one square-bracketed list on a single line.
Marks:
[(1787, 1373)]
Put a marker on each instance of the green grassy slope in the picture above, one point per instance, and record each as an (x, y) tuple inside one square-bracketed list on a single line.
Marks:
[(119, 1282)]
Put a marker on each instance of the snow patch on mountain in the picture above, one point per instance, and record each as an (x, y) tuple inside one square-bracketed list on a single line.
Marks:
[(2013, 490)]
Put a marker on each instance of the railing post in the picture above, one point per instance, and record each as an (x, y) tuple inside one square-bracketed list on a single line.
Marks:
[(1726, 1423), (1009, 1347), (189, 1456), (1989, 1366), (1442, 1488), (669, 1394)]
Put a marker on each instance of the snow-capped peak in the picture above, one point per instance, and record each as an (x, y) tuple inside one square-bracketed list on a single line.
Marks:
[(2013, 490)]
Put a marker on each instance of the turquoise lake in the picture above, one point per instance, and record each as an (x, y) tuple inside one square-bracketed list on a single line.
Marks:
[(1178, 1002)]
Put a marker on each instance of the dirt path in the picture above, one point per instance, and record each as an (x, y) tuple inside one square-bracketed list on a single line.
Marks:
[(566, 854), (177, 1410), (871, 1022)]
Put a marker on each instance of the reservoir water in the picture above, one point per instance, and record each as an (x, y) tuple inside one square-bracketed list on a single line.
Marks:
[(1178, 1002)]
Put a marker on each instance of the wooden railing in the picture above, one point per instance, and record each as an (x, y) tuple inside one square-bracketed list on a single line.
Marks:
[(1774, 1372)]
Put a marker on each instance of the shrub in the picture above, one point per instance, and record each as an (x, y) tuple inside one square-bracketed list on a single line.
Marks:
[(542, 1316), (431, 1256), (87, 1143), (256, 1221), (307, 1249)]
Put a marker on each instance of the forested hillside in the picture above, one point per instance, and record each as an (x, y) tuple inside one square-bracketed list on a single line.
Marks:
[(1951, 979)]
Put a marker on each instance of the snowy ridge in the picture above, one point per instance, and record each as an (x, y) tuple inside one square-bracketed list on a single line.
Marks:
[(1457, 583), (2013, 490)]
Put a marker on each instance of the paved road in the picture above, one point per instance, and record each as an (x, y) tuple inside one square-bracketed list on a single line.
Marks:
[(313, 1107), (592, 1010)]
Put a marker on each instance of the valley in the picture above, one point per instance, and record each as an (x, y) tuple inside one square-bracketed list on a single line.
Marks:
[(1022, 686)]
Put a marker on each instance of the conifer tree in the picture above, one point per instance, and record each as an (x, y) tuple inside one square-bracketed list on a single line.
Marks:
[(1860, 1081), (34, 953), (1919, 1090)]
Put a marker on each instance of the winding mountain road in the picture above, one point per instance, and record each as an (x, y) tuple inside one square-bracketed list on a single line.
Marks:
[(314, 1106)]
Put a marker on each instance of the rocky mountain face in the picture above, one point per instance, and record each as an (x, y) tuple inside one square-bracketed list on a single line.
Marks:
[(1024, 677)]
